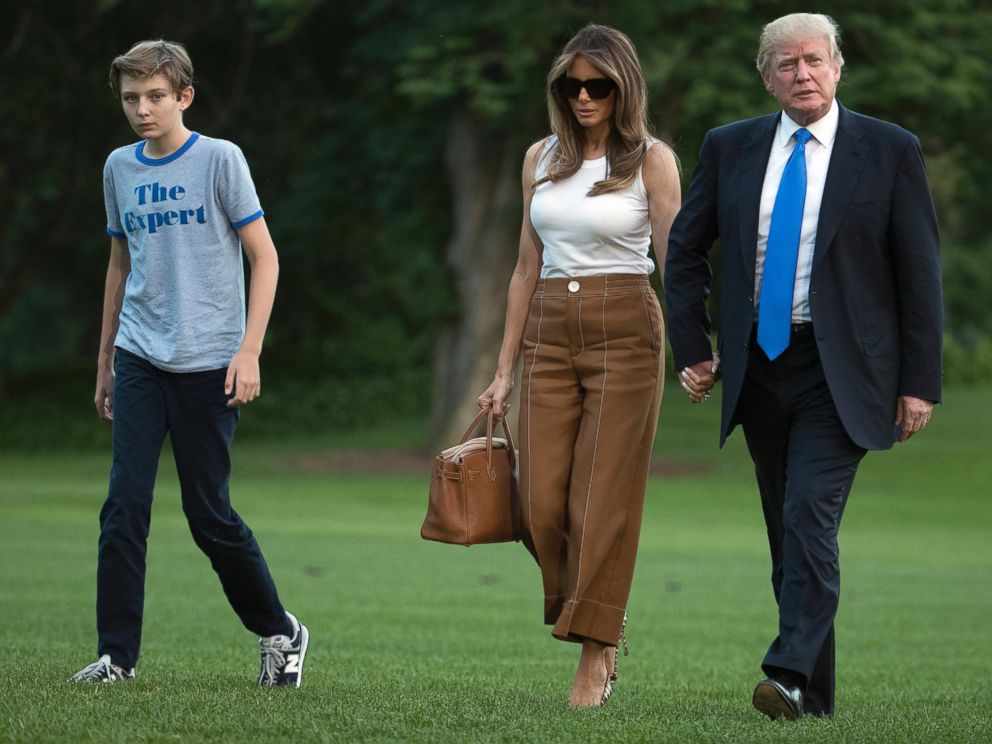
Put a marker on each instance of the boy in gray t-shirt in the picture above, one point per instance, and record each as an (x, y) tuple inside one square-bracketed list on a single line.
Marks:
[(179, 355)]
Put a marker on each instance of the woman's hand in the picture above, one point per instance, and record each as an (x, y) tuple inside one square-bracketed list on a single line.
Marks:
[(698, 380), (496, 395)]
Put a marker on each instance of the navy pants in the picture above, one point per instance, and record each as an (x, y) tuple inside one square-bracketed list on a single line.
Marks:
[(192, 408), (805, 465)]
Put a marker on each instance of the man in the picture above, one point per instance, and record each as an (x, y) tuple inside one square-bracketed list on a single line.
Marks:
[(180, 354), (830, 326)]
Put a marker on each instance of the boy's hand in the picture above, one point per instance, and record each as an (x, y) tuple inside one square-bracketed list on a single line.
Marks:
[(104, 396), (243, 379)]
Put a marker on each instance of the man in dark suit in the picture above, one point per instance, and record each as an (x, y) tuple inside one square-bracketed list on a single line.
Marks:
[(830, 321)]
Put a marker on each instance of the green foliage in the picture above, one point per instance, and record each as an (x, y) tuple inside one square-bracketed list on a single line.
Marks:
[(416, 641), (54, 411), (299, 408), (342, 110), (928, 72), (968, 359), (968, 287), (968, 336)]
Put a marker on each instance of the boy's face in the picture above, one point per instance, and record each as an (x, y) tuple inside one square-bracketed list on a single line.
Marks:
[(152, 107)]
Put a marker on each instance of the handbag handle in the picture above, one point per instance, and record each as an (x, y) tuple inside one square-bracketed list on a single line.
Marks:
[(488, 412)]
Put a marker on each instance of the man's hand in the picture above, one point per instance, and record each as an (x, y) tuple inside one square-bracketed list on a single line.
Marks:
[(103, 399), (243, 379), (912, 415), (698, 380)]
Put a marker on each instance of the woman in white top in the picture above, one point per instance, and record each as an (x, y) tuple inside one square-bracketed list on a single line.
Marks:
[(596, 193)]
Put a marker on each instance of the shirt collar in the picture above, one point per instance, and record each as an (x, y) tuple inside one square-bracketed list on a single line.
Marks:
[(823, 130)]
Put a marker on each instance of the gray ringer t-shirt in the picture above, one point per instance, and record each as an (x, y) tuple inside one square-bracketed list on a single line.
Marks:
[(184, 301)]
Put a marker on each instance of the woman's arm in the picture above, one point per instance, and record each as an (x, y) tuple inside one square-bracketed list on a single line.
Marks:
[(661, 181), (522, 284)]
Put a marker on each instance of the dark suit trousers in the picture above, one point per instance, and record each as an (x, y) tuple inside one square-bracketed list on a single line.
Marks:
[(805, 465)]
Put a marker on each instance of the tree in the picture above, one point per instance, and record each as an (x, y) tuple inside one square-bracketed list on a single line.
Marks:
[(386, 140)]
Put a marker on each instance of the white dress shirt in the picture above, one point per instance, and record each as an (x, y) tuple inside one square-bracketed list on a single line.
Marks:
[(817, 151)]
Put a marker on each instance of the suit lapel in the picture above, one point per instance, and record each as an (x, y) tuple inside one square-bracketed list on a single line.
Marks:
[(753, 163), (846, 162)]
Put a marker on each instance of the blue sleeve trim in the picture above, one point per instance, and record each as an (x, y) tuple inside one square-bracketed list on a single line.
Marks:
[(115, 234), (241, 223), (139, 151)]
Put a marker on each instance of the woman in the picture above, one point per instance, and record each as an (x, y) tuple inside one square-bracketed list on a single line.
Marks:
[(596, 193)]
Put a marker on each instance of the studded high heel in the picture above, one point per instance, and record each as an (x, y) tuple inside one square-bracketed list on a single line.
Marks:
[(613, 674)]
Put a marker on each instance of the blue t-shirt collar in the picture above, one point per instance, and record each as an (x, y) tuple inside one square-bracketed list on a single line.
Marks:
[(140, 155)]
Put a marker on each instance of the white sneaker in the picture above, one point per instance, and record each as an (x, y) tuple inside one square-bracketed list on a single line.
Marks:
[(103, 670), (282, 657)]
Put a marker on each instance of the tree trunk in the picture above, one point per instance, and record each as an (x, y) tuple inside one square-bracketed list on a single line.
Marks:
[(484, 172)]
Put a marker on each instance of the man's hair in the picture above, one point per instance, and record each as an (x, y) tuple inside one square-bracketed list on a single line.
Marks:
[(147, 58), (613, 54), (798, 27)]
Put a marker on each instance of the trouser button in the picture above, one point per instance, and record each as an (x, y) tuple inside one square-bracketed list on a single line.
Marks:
[(573, 286)]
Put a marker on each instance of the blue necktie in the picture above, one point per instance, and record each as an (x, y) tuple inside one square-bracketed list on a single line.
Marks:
[(781, 253)]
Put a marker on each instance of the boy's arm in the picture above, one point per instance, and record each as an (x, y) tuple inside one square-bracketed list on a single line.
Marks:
[(113, 297), (243, 377)]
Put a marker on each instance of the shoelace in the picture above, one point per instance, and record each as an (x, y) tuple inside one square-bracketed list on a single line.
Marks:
[(273, 658), (97, 670)]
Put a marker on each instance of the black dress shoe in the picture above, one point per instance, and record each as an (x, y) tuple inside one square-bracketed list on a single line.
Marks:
[(777, 698)]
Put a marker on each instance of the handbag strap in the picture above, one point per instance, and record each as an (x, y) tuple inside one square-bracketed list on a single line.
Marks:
[(488, 413), (509, 444), (471, 427)]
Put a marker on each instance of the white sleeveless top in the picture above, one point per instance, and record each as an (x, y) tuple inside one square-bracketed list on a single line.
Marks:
[(587, 235)]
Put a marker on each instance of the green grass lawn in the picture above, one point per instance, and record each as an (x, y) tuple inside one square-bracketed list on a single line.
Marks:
[(425, 642)]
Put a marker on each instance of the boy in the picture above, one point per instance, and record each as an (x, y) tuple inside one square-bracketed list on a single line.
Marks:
[(177, 356)]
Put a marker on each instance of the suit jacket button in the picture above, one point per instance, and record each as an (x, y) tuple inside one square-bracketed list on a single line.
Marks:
[(745, 346)]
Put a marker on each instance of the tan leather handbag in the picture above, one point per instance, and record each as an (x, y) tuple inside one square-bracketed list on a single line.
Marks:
[(473, 496)]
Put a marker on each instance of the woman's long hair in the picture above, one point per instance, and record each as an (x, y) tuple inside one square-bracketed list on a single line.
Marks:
[(613, 54)]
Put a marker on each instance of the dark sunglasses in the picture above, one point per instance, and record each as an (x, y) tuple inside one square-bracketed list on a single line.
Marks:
[(596, 88)]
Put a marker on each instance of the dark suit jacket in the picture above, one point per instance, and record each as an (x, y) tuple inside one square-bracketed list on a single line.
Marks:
[(875, 291)]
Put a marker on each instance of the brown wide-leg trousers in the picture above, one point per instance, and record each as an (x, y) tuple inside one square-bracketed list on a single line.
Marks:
[(593, 371)]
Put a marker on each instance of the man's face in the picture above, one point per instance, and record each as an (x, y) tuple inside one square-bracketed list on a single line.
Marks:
[(803, 77), (152, 108)]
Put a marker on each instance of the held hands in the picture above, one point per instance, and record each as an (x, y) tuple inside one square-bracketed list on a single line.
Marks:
[(243, 379), (912, 415), (698, 380), (496, 395)]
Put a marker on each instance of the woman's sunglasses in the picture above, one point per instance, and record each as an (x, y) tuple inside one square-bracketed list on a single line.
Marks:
[(596, 88)]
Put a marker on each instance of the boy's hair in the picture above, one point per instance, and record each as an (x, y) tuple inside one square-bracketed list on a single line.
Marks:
[(147, 58)]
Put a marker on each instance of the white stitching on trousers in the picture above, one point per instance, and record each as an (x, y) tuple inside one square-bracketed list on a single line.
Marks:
[(601, 604), (582, 336), (530, 431), (595, 450)]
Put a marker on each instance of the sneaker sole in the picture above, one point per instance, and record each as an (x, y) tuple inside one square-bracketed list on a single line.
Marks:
[(304, 643)]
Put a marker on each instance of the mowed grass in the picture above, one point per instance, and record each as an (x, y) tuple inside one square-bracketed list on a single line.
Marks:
[(416, 641)]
